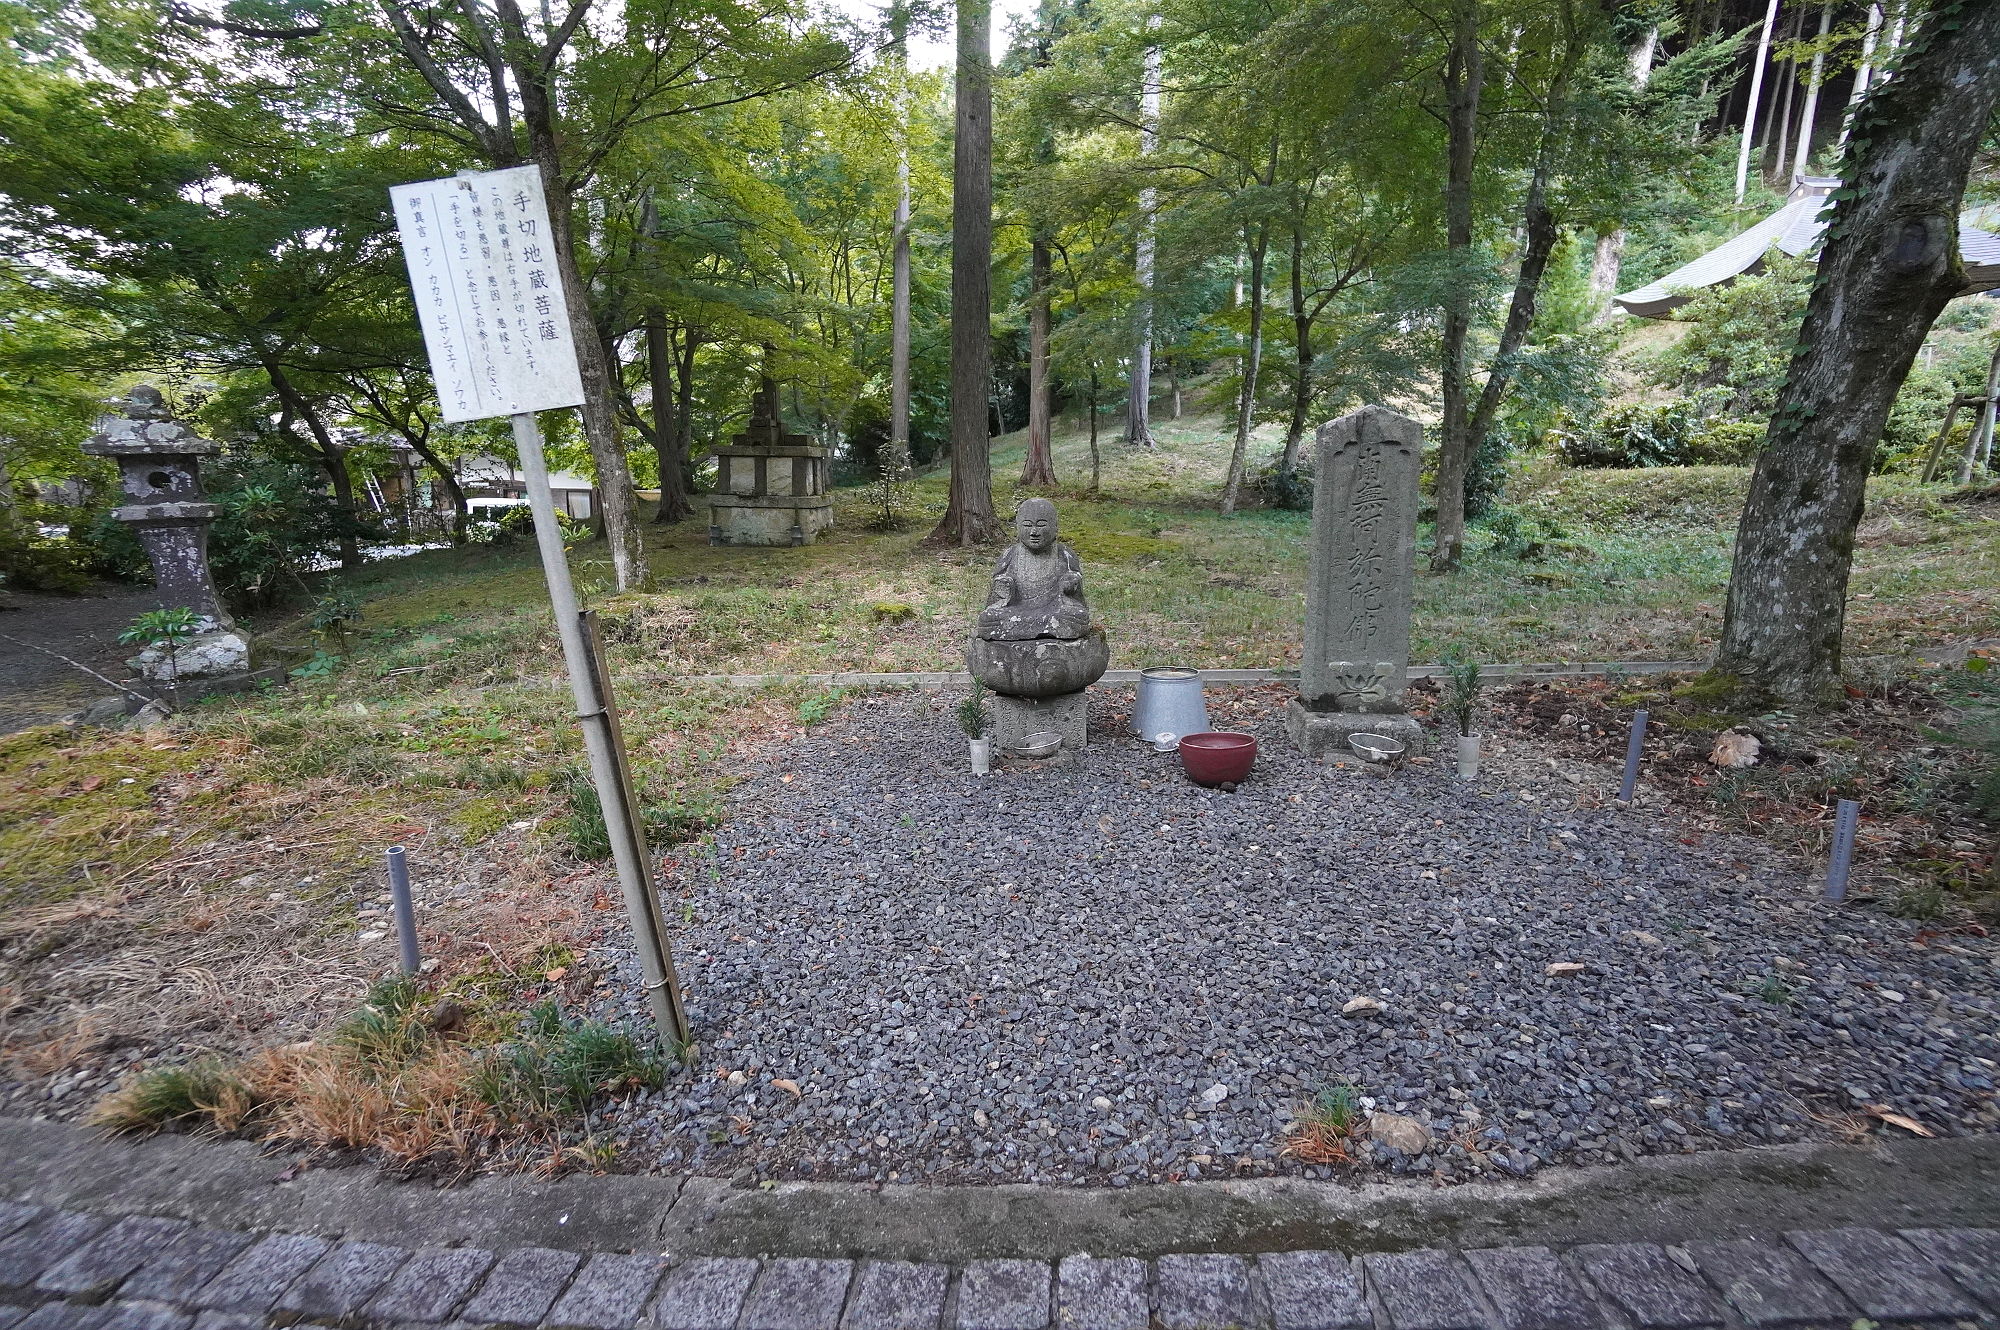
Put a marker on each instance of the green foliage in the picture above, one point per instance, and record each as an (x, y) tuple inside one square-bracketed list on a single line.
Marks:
[(333, 611), (1337, 1108), (384, 1034), (1740, 340), (321, 664), (201, 1091), (558, 1065), (164, 627), (1461, 688), (668, 822), (1675, 433), (972, 711), (30, 561), (819, 705)]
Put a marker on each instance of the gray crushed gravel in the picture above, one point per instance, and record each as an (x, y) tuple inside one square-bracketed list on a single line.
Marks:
[(1105, 974)]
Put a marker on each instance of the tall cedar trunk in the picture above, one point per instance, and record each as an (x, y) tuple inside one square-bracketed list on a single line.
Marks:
[(1039, 468), (968, 519), (1232, 488), (1751, 104), (1542, 234), (897, 464), (617, 505), (1463, 73), (1139, 395), (674, 503), (1302, 326), (1889, 264), (1777, 150), (1802, 154)]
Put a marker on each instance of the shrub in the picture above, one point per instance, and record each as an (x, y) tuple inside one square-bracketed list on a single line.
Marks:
[(1676, 433), (31, 562)]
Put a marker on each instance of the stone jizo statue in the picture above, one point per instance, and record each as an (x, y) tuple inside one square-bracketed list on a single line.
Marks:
[(1038, 584), (1034, 644)]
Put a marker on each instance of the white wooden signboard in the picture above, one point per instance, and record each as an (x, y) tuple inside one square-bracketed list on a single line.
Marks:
[(489, 293)]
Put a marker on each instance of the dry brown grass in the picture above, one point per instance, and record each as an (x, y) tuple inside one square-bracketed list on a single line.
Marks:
[(1317, 1143)]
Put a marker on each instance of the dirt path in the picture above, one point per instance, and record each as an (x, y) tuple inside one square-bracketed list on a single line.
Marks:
[(36, 688)]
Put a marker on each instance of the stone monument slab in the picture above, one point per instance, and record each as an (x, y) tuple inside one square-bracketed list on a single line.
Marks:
[(1357, 631)]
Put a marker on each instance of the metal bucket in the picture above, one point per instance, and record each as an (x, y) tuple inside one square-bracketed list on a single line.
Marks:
[(1169, 702)]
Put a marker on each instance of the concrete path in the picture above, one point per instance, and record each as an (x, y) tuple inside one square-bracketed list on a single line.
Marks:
[(174, 1234)]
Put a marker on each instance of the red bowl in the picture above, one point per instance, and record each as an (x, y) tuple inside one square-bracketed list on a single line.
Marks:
[(1217, 756)]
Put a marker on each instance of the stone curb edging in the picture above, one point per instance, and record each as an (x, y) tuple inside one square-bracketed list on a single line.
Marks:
[(68, 1268), (933, 680)]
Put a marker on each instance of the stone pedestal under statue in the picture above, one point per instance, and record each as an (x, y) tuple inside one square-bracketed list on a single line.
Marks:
[(1034, 644), (159, 466), (770, 486), (1357, 636)]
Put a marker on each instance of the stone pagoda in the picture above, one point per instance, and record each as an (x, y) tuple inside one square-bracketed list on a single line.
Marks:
[(159, 467), (770, 486)]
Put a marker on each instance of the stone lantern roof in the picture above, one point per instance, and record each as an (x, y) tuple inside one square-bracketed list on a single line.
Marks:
[(145, 429)]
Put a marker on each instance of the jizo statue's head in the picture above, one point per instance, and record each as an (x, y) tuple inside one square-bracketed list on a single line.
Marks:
[(1035, 525)]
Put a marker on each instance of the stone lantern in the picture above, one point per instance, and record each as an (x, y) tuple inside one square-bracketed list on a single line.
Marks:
[(770, 486), (159, 466)]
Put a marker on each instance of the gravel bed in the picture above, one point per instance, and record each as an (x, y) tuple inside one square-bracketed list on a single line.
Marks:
[(1101, 973)]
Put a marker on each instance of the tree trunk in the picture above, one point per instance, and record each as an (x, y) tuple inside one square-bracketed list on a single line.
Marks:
[(1463, 72), (968, 519), (1542, 233), (1174, 389), (897, 464), (1039, 468), (684, 409), (1773, 163), (1233, 486), (1889, 264), (674, 503), (1979, 444), (332, 458), (452, 489), (1096, 463), (1609, 258), (617, 506), (1862, 72), (1756, 89), (1802, 155), (1302, 324), (1139, 398)]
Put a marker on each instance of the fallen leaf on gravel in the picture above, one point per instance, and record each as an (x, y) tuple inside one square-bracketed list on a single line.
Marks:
[(1907, 1123), (789, 1087), (1563, 969), (555, 975), (1361, 1006)]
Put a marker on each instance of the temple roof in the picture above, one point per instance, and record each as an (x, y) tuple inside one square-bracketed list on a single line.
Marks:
[(1795, 229)]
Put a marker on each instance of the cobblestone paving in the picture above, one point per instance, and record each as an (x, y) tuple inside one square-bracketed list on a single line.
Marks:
[(66, 1270)]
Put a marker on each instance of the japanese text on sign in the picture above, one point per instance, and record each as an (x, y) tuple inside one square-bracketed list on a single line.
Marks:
[(489, 294)]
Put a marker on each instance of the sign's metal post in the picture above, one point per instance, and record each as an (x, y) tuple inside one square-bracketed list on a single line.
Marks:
[(602, 743), (489, 294), (1847, 814), (1635, 748)]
